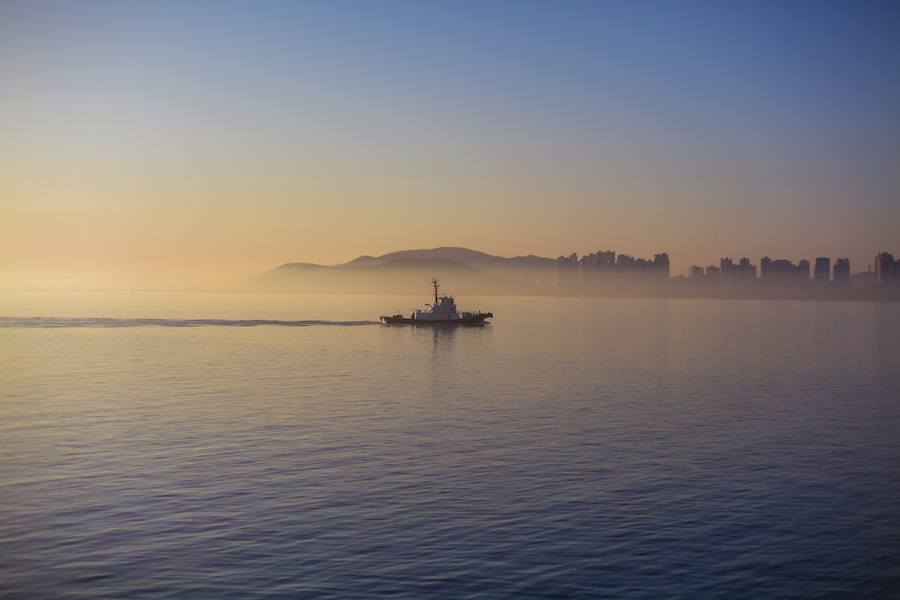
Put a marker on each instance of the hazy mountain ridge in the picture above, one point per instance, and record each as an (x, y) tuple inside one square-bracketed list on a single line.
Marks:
[(409, 271), (465, 256), (462, 255)]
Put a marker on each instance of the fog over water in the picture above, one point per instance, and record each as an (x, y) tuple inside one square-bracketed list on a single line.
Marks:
[(679, 216), (287, 445)]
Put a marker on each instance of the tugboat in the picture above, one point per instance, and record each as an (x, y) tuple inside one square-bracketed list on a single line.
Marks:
[(442, 312)]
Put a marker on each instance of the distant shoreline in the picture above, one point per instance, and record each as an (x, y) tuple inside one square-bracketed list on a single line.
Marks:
[(861, 294)]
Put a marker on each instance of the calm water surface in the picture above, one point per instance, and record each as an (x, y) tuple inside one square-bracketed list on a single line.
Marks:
[(269, 446)]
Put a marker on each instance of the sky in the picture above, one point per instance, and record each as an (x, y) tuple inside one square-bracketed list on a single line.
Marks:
[(197, 141)]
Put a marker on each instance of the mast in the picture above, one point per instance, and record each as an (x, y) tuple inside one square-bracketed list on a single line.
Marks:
[(435, 282)]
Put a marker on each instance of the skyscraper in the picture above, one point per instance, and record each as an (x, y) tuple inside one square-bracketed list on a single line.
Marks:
[(884, 269), (743, 272), (661, 266), (803, 271), (567, 270), (842, 271), (822, 271), (765, 268)]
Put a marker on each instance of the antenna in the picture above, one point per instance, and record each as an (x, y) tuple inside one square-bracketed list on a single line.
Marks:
[(436, 284)]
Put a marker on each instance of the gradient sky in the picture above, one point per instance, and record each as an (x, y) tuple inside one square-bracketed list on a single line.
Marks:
[(217, 139)]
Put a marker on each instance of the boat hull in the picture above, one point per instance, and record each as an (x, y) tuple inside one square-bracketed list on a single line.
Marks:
[(473, 319)]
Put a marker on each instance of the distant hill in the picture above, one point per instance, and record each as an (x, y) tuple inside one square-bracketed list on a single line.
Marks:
[(460, 270), (461, 255)]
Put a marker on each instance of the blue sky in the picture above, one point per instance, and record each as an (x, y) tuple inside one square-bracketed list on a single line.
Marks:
[(318, 131)]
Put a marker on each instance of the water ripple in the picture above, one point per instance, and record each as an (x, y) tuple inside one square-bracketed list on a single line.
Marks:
[(104, 322), (595, 454)]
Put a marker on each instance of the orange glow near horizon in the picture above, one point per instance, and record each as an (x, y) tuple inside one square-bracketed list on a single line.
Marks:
[(137, 151)]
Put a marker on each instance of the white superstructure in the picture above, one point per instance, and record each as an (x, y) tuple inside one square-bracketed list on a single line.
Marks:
[(443, 309)]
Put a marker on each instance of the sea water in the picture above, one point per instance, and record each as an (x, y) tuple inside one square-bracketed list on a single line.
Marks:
[(290, 446)]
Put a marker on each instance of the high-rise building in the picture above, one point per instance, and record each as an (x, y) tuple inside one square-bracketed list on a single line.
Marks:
[(661, 266), (726, 270), (885, 269), (783, 271), (602, 268), (765, 268), (746, 271), (803, 271), (823, 271), (842, 271), (567, 270), (597, 268), (743, 272)]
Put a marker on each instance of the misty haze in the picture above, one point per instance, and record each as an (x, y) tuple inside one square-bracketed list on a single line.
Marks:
[(486, 300), (596, 274)]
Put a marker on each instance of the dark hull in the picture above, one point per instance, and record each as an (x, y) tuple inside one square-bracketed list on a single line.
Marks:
[(476, 319)]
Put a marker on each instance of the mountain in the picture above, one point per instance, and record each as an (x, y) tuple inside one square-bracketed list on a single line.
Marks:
[(461, 255), (460, 270)]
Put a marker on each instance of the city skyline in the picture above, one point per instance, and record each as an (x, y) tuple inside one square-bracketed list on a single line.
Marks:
[(609, 273), (778, 270), (186, 142)]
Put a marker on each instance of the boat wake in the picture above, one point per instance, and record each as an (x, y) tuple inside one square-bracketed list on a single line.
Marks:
[(99, 322)]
